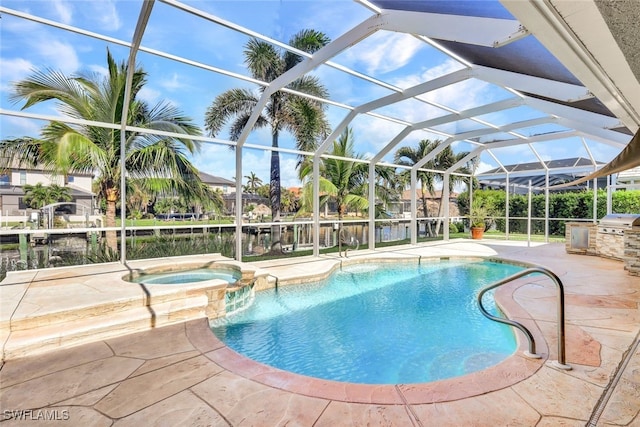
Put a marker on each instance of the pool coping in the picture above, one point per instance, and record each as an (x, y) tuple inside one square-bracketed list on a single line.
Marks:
[(515, 368)]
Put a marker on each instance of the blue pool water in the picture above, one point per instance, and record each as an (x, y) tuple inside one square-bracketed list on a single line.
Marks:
[(188, 276), (377, 324)]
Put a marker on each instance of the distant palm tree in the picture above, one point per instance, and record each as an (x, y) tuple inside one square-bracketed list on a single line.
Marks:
[(289, 202), (345, 182), (37, 196), (253, 182), (138, 200), (443, 161), (302, 117), (409, 156), (341, 181), (158, 164)]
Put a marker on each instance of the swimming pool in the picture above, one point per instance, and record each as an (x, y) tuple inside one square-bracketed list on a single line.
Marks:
[(377, 324)]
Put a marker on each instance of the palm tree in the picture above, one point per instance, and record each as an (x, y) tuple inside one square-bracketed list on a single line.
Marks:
[(289, 201), (253, 182), (345, 182), (304, 118), (138, 200), (157, 163), (37, 196), (408, 156), (443, 161), (341, 181)]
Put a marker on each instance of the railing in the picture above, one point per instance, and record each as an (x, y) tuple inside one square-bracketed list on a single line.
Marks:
[(561, 363)]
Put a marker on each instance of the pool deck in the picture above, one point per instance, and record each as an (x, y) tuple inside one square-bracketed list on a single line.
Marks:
[(181, 374)]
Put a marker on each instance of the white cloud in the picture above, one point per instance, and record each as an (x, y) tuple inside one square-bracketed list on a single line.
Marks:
[(58, 55), (384, 52), (173, 83), (150, 95), (106, 14), (483, 167), (99, 69), (18, 126), (13, 70), (64, 11)]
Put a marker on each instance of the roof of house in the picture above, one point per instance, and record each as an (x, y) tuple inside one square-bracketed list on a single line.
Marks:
[(214, 180), (17, 190)]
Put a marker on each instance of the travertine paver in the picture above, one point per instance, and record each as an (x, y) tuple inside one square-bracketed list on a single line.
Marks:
[(558, 393), (181, 375), (57, 386), (156, 385), (22, 370), (501, 408), (360, 414), (164, 342), (182, 409), (243, 402)]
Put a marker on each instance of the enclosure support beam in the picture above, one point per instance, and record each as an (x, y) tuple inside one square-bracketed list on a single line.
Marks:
[(141, 25), (445, 199), (546, 206), (238, 210), (316, 205), (372, 205), (595, 200), (506, 208), (414, 208)]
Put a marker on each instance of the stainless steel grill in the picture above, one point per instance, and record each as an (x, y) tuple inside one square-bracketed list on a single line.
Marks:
[(618, 223)]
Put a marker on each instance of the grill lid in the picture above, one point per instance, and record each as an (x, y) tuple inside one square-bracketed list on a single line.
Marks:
[(621, 220)]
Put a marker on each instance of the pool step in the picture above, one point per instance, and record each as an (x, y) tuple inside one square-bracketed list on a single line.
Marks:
[(70, 315), (104, 325)]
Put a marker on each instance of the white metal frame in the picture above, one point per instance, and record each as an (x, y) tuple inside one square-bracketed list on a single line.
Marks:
[(539, 19)]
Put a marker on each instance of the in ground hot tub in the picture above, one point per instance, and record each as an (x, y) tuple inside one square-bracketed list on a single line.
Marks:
[(212, 289), (180, 277)]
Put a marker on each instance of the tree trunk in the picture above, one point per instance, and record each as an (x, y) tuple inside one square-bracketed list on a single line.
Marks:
[(425, 210), (111, 236), (440, 214), (274, 196)]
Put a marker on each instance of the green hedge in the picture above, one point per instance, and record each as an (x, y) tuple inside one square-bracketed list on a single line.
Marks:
[(574, 205)]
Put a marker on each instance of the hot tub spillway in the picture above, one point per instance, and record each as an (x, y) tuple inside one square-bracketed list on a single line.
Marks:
[(239, 295)]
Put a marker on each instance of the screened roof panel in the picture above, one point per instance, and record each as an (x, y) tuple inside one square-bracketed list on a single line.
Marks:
[(411, 110), (522, 113), (540, 167), (494, 137), (481, 93), (483, 8), (399, 59), (525, 56), (592, 104), (349, 89), (541, 129), (476, 93), (460, 126)]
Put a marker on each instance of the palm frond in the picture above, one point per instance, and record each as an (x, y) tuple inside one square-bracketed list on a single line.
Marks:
[(226, 105), (307, 40), (263, 60)]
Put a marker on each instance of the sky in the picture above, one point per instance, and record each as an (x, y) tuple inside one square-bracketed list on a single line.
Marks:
[(399, 59)]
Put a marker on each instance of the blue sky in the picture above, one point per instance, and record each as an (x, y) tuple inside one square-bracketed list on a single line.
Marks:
[(399, 59)]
